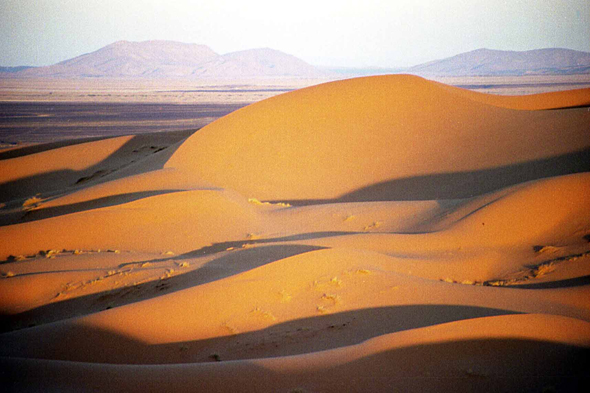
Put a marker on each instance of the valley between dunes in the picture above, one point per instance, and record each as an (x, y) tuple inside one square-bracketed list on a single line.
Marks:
[(384, 233)]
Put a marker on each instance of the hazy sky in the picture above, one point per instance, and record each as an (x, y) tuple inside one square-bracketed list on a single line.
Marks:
[(385, 33)]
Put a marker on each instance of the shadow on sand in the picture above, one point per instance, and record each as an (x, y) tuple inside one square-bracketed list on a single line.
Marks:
[(460, 185), (484, 365), (319, 333), (153, 150), (49, 212), (239, 260), (567, 283), (225, 266)]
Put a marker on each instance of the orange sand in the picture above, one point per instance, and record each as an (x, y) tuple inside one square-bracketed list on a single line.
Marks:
[(375, 234)]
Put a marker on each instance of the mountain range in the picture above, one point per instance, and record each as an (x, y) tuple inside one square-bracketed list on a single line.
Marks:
[(13, 69), (497, 62), (169, 59)]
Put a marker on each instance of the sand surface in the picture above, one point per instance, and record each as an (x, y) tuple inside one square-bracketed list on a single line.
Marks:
[(374, 234)]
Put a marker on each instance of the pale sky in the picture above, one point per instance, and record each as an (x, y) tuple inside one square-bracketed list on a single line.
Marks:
[(386, 33)]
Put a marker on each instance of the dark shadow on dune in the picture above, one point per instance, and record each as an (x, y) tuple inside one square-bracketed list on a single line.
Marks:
[(41, 147), (240, 261), (317, 333), (224, 246), (333, 330), (460, 185), (49, 212), (222, 267), (484, 365), (570, 107), (154, 149), (568, 283)]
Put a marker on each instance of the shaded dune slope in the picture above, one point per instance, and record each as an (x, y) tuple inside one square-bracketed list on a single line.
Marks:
[(379, 365), (439, 239)]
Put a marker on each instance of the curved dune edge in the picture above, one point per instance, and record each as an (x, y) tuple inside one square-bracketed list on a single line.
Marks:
[(377, 129), (70, 158), (299, 298), (543, 101), (182, 220), (408, 360), (516, 218)]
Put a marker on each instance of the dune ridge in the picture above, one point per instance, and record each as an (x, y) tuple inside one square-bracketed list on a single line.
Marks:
[(343, 237), (379, 129)]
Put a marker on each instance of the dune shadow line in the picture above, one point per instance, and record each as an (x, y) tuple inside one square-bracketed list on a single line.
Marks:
[(225, 246), (567, 283), (461, 185), (41, 147), (475, 365), (49, 212), (319, 333), (225, 266), (140, 147)]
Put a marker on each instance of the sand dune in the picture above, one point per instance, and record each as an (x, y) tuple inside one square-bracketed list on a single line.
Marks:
[(377, 234), (377, 129)]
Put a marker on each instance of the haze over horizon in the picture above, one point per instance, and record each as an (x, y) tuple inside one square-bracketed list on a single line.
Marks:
[(346, 33)]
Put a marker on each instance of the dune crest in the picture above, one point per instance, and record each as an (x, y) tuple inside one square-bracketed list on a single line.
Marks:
[(376, 129)]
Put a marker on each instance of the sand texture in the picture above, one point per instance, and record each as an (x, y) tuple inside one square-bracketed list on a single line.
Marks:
[(374, 234)]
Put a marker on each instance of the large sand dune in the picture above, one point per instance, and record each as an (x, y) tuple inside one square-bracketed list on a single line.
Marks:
[(375, 234), (332, 139)]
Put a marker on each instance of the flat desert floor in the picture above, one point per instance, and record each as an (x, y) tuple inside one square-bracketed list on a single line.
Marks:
[(34, 111), (44, 110), (383, 233)]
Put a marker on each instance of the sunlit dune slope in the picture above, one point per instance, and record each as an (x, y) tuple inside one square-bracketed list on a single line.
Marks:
[(332, 139)]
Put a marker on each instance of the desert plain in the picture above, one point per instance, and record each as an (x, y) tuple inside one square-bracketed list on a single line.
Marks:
[(385, 233)]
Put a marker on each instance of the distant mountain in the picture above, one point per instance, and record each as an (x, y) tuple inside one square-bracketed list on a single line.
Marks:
[(348, 72), (161, 59), (256, 62), (497, 62), (128, 59), (169, 59), (14, 69)]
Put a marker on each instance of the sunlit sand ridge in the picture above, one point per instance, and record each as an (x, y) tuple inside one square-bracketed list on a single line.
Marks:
[(371, 234)]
